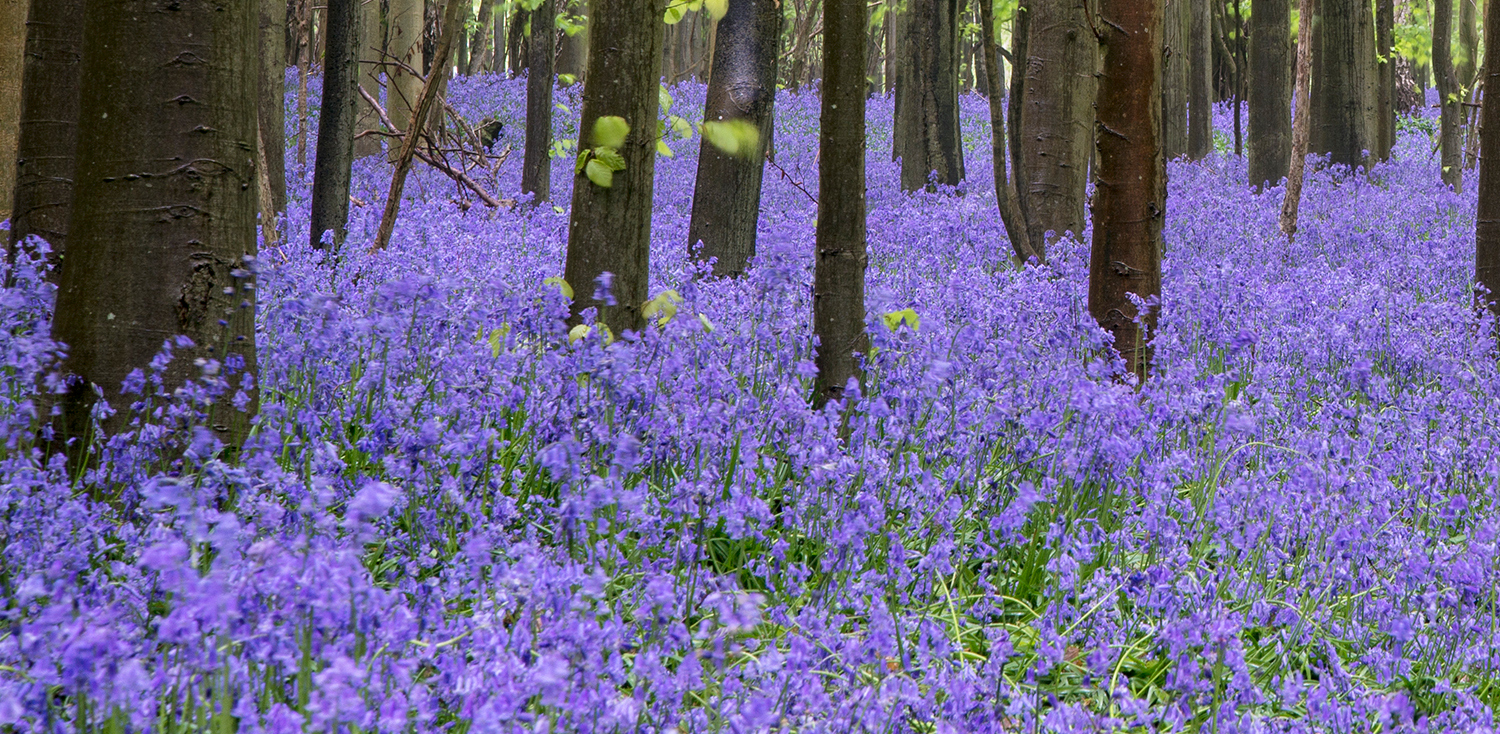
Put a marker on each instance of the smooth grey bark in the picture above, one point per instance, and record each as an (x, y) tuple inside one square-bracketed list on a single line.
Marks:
[(1057, 117), (332, 169), (1342, 116), (741, 86), (47, 147), (1175, 63), (272, 107), (610, 228), (1270, 114), (1466, 65), (927, 137), (164, 226), (371, 58), (12, 52), (404, 44), (1200, 140), (1450, 139), (536, 170)]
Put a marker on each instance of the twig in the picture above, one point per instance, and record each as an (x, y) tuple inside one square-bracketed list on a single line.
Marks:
[(452, 173), (788, 178)]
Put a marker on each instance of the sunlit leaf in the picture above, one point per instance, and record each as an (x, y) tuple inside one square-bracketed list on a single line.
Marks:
[(716, 8), (578, 332), (497, 339), (663, 307), (675, 11), (610, 131), (561, 285), (611, 158), (895, 319), (600, 174), (733, 137), (663, 149)]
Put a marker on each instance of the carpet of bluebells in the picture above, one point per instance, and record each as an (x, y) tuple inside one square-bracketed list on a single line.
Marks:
[(453, 517)]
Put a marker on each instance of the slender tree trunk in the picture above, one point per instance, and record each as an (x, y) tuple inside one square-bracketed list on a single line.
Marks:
[(371, 56), (272, 106), (536, 172), (1301, 119), (927, 94), (304, 70), (404, 43), (12, 54), (610, 230), (1487, 227), (1176, 60), (135, 277), (1131, 184), (1385, 90), (1239, 74), (573, 57), (742, 86), (1468, 44), (888, 58), (1057, 122), (461, 53), (336, 123), (839, 270), (517, 49), (498, 56), (1200, 79), (1271, 95), (48, 142), (1005, 193), (479, 44), (1449, 135), (1020, 35), (1344, 136)]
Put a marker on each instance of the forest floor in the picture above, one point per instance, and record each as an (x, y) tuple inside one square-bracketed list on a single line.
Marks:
[(455, 517)]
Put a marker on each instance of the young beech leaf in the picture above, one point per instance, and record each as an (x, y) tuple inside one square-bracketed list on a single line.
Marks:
[(497, 338), (611, 158), (894, 319), (663, 307), (716, 8), (561, 285), (602, 176), (610, 131), (734, 137), (578, 332), (675, 11), (663, 149)]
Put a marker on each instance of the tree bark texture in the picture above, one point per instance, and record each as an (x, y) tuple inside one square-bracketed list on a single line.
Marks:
[(371, 57), (1005, 192), (1468, 44), (516, 40), (1200, 79), (610, 229), (1130, 181), (404, 44), (573, 55), (1020, 33), (272, 106), (164, 211), (46, 154), (927, 137), (461, 52), (1342, 115), (1450, 139), (12, 55), (839, 270), (1057, 117), (741, 86), (1487, 228), (481, 48), (536, 171), (1270, 118), (1385, 89), (1175, 63), (332, 169), (1302, 109)]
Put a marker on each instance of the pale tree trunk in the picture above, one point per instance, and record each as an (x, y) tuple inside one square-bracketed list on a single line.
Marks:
[(1200, 79), (1449, 136), (1270, 118), (336, 124), (610, 229), (1468, 44), (839, 267), (742, 86), (1487, 227), (1057, 118), (497, 38), (461, 54), (928, 138), (272, 106), (134, 277), (1175, 63), (1005, 192), (371, 56), (12, 51), (1301, 119), (536, 170), (404, 43), (1131, 184), (48, 143)]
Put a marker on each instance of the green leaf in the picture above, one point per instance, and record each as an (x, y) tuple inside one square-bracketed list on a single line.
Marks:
[(716, 8), (675, 11), (558, 209), (578, 332), (895, 319), (600, 174), (610, 131), (663, 307), (734, 137), (681, 127), (663, 98), (561, 285), (611, 158), (663, 149), (497, 339), (708, 326)]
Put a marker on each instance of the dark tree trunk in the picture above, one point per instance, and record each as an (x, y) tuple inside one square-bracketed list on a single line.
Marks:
[(573, 56), (461, 53), (479, 49), (1057, 119), (517, 50), (927, 137), (135, 277), (1271, 95), (272, 105), (1385, 88), (888, 58), (498, 56), (371, 46), (742, 86), (1200, 79), (1449, 135), (610, 230), (432, 30), (340, 110), (1344, 135), (1131, 184), (1020, 34), (536, 171), (1302, 109), (1176, 61), (1487, 228), (1005, 193), (47, 147), (839, 270), (304, 70)]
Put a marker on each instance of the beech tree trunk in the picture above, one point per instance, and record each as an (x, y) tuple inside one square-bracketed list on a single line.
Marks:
[(46, 151), (839, 270), (1487, 227), (1385, 89), (481, 48), (461, 52), (742, 86), (610, 229), (927, 137), (371, 57), (1020, 34), (536, 171), (1175, 64), (1450, 139), (517, 50), (1342, 116), (404, 43), (1131, 183), (573, 56), (1005, 192), (1200, 79), (272, 106), (1270, 119), (336, 123), (1468, 44), (12, 53), (137, 277), (1301, 119), (1057, 118)]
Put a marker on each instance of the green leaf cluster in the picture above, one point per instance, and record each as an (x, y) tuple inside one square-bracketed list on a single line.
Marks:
[(601, 162)]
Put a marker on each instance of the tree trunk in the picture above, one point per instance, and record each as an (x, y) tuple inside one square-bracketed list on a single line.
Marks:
[(573, 57), (1005, 193), (1385, 89), (404, 43), (1057, 120), (517, 50), (536, 172), (1270, 120), (48, 142), (888, 58), (1200, 79), (1450, 140), (1487, 227), (1176, 61), (1130, 185), (304, 70), (742, 86), (927, 95), (163, 225), (479, 45), (272, 105), (1020, 34), (371, 47), (336, 121), (461, 53), (610, 230), (12, 55), (1301, 119), (498, 57), (1468, 44), (839, 270), (1342, 115)]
